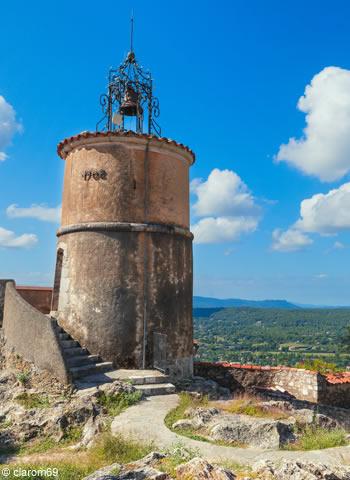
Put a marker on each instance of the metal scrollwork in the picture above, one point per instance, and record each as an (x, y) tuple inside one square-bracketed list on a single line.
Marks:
[(129, 94)]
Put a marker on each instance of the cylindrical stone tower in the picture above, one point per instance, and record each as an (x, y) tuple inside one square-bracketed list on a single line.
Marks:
[(123, 284)]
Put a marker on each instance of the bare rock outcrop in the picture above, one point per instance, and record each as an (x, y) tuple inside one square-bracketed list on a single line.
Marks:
[(293, 470), (30, 413), (303, 416), (146, 469), (200, 469), (143, 469), (238, 429), (252, 431)]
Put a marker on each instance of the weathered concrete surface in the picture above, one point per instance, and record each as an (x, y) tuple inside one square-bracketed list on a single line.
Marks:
[(3, 283), (38, 297), (142, 173), (126, 278), (145, 422), (32, 335)]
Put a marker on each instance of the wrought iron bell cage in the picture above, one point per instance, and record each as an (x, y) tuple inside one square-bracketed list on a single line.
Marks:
[(129, 94)]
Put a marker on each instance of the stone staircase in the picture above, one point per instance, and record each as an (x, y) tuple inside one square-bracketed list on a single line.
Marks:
[(79, 361), (89, 371), (149, 382)]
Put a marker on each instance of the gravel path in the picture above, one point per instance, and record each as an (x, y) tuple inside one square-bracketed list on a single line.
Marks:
[(145, 422)]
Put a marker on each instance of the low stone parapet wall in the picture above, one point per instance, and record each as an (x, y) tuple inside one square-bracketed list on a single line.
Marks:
[(3, 283), (32, 334), (335, 390), (38, 297), (297, 383)]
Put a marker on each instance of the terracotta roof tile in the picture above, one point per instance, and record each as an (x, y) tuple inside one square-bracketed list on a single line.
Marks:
[(31, 287), (343, 377), (253, 367), (125, 133)]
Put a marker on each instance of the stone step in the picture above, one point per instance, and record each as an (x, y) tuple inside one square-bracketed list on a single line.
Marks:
[(80, 360), (74, 351), (142, 380), (69, 343), (78, 372), (58, 328), (64, 336), (156, 389)]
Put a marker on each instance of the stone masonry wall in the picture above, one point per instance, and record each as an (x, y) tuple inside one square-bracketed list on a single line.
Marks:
[(32, 335), (336, 394), (300, 384), (124, 257)]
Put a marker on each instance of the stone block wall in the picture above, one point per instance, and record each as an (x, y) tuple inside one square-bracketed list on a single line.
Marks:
[(299, 384), (32, 335), (38, 297), (335, 393)]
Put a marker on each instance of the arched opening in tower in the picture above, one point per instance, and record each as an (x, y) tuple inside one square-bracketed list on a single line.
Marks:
[(57, 281)]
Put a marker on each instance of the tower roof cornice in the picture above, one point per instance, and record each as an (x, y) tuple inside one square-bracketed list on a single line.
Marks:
[(68, 144)]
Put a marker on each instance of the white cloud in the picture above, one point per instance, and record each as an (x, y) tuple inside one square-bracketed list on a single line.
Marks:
[(326, 213), (289, 240), (223, 194), (8, 126), (222, 229), (324, 148), (321, 276), (323, 213), (39, 212), (227, 206), (8, 239)]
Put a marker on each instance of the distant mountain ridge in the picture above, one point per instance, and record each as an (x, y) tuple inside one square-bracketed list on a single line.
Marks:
[(209, 302)]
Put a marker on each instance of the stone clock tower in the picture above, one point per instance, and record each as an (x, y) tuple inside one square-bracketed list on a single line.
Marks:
[(123, 282)]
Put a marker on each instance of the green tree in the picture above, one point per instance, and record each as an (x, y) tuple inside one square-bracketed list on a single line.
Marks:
[(345, 339)]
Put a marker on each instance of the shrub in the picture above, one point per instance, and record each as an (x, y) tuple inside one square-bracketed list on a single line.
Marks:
[(176, 455), (38, 446), (318, 365), (23, 377), (186, 401), (111, 449), (115, 404), (249, 405), (32, 400), (316, 438), (72, 434)]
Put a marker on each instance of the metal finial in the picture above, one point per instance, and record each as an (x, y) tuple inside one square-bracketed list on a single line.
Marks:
[(132, 31)]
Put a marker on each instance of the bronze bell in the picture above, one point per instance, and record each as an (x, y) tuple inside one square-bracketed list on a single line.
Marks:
[(130, 106)]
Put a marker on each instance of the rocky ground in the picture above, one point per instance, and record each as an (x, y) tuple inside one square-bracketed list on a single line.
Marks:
[(243, 430), (36, 408), (152, 468), (37, 411), (250, 421)]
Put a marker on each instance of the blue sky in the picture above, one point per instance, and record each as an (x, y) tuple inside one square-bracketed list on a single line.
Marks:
[(228, 75)]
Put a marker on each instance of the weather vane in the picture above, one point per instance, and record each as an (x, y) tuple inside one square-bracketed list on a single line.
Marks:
[(130, 94)]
